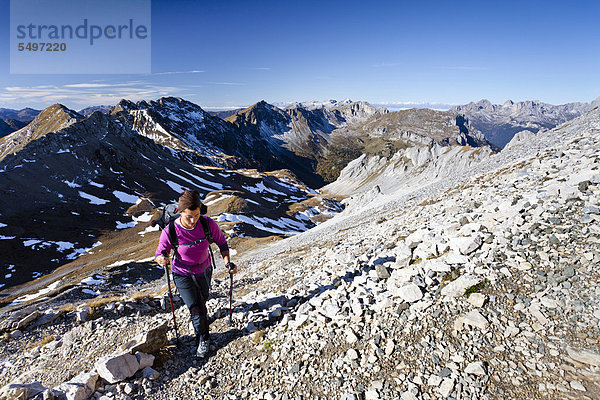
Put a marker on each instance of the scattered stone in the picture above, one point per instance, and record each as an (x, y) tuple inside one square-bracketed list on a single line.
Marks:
[(21, 391), (351, 337), (472, 318), (352, 354), (79, 388), (584, 356), (144, 360), (148, 342), (24, 323), (466, 245), (117, 367), (446, 387), (408, 292), (477, 299), (82, 313), (475, 368), (382, 271), (458, 286), (150, 373), (16, 334), (408, 395)]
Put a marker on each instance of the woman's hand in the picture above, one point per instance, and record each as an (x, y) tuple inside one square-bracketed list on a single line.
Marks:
[(162, 260), (231, 267)]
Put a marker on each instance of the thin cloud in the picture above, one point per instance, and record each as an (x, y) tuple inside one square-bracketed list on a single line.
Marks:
[(227, 83), (88, 85), (177, 72), (260, 68), (87, 94)]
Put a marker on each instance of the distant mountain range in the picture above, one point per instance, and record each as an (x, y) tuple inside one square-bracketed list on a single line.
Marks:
[(90, 110), (13, 120), (501, 122), (498, 123)]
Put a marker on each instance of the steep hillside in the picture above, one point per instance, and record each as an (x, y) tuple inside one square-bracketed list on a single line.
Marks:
[(91, 171)]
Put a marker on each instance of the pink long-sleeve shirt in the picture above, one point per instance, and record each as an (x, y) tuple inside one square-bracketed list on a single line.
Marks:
[(195, 256)]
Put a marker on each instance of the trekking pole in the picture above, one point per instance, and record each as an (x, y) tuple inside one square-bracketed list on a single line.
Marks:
[(229, 322), (171, 298)]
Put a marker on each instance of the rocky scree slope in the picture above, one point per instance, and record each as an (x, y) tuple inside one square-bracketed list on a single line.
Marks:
[(481, 286)]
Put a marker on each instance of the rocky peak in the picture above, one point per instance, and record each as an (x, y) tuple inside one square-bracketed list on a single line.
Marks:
[(259, 112), (51, 119)]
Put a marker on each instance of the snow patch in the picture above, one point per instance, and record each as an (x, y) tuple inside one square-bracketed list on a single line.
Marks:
[(149, 229), (217, 199), (36, 295), (94, 281), (93, 199), (145, 217), (260, 187), (96, 184), (119, 263), (72, 184), (194, 184), (125, 225), (125, 197), (89, 291), (284, 225), (175, 186)]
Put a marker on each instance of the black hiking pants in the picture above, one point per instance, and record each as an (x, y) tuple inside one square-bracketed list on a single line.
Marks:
[(195, 299)]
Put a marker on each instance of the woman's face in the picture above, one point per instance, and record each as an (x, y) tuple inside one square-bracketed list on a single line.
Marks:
[(189, 218)]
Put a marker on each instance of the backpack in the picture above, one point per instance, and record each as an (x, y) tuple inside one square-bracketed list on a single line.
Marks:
[(167, 220)]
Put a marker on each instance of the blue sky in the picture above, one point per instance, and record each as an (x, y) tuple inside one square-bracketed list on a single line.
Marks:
[(222, 54)]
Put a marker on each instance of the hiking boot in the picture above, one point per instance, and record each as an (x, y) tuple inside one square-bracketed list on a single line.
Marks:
[(203, 347)]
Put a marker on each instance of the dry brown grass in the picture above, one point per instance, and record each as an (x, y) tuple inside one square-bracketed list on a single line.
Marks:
[(98, 302), (40, 342), (68, 308)]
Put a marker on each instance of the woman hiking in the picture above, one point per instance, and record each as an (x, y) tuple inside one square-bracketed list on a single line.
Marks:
[(191, 266)]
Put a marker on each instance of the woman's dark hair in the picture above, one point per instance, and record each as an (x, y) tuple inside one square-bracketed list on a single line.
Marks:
[(189, 199)]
